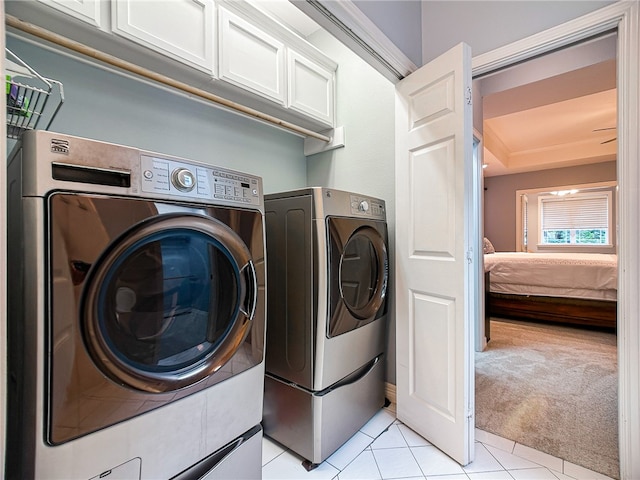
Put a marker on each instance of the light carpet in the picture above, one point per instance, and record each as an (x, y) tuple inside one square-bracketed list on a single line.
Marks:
[(552, 388)]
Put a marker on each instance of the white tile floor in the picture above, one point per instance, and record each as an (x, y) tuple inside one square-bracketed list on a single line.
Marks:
[(385, 449)]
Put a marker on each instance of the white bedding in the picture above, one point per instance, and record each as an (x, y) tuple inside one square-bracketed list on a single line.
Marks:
[(574, 275)]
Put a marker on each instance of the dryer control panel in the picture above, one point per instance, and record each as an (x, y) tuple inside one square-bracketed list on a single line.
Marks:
[(198, 181), (369, 207)]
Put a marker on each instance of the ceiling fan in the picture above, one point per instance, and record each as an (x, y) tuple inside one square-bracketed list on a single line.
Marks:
[(606, 128)]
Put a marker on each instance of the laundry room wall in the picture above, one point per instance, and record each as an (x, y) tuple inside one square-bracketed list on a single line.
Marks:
[(104, 105), (366, 163)]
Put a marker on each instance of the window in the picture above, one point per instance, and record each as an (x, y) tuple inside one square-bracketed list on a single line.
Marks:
[(524, 205), (571, 218)]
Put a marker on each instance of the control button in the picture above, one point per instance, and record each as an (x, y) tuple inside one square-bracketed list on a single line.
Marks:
[(364, 206), (183, 179), (148, 174), (255, 191)]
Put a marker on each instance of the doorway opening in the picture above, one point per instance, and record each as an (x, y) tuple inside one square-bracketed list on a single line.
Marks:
[(544, 124)]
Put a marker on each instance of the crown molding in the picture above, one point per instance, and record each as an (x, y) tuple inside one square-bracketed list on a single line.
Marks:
[(346, 22)]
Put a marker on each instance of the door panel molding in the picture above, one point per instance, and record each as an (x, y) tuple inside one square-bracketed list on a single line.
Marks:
[(434, 306)]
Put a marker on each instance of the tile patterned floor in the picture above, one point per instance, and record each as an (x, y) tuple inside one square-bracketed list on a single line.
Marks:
[(385, 449)]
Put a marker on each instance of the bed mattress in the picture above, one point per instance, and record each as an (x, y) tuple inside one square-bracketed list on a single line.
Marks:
[(572, 275)]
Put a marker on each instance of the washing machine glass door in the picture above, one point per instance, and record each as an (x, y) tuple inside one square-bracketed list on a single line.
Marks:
[(169, 302), (358, 273)]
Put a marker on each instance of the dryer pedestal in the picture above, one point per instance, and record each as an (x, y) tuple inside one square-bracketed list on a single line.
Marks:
[(241, 458), (316, 424)]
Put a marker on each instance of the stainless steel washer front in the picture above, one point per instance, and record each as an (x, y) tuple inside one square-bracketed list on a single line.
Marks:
[(137, 317)]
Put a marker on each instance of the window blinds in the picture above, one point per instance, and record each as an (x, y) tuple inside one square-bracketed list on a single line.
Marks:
[(582, 212)]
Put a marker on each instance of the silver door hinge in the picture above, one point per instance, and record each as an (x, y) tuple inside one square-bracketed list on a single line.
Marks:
[(470, 256), (468, 96)]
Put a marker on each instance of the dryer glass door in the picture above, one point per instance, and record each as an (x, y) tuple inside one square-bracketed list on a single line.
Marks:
[(169, 302), (358, 273)]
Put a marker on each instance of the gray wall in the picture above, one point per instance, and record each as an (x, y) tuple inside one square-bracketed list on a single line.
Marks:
[(400, 21), (487, 25), (106, 106), (500, 196)]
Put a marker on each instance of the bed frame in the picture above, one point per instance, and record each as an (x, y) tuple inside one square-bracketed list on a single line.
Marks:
[(583, 312)]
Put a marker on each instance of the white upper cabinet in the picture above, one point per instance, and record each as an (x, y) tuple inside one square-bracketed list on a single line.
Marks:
[(311, 88), (86, 10), (232, 48), (250, 58), (181, 29)]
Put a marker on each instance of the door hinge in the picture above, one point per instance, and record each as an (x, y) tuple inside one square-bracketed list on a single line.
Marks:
[(470, 256), (468, 96)]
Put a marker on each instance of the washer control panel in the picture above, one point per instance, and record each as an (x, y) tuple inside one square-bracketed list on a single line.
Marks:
[(367, 206), (168, 176), (183, 179)]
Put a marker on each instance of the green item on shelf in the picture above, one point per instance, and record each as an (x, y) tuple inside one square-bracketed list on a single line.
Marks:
[(23, 101), (18, 102)]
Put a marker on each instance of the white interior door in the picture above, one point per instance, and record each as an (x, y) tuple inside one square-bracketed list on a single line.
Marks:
[(434, 259)]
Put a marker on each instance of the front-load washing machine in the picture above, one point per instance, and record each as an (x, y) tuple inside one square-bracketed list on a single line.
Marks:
[(326, 317), (136, 314)]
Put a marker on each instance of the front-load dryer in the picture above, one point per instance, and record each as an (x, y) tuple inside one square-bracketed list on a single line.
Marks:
[(326, 317), (136, 314)]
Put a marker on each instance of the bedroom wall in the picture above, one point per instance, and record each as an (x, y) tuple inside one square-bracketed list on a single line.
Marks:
[(500, 196)]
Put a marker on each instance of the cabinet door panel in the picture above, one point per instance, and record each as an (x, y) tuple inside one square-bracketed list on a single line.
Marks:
[(85, 10), (250, 58), (182, 29), (311, 88)]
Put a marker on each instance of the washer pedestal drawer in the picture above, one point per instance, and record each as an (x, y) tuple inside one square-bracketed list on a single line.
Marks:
[(316, 424)]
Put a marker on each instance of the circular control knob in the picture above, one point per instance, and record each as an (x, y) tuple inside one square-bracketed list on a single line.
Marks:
[(183, 179), (364, 206)]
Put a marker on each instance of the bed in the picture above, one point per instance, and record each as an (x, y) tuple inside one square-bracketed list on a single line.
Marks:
[(577, 288)]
